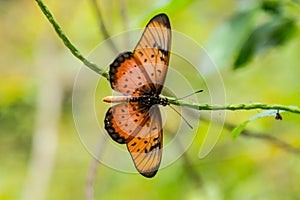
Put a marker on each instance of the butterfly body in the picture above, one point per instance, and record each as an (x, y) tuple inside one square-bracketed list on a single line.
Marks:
[(145, 100), (139, 75)]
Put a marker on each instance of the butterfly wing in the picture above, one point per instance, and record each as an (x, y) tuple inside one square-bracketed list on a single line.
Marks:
[(124, 120), (128, 76), (146, 147), (141, 129), (153, 50), (144, 70)]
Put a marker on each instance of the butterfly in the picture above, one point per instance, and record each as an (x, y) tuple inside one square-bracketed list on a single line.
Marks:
[(140, 75)]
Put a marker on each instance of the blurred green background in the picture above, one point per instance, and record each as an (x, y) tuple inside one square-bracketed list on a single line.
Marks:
[(255, 44)]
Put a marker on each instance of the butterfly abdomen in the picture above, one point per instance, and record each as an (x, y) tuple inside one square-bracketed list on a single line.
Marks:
[(145, 100), (151, 100)]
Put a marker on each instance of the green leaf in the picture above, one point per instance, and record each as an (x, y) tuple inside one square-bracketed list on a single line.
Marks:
[(228, 37), (238, 130), (272, 6), (270, 34)]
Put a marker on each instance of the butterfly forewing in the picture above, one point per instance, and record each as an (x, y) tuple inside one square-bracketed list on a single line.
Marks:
[(144, 70), (153, 50), (127, 77)]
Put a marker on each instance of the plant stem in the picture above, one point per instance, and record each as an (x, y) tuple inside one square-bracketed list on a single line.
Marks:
[(68, 43), (172, 100), (253, 106)]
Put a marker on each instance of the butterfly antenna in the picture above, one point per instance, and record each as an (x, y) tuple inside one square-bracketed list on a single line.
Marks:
[(190, 94), (182, 117)]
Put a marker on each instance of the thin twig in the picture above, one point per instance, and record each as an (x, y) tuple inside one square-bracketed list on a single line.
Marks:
[(103, 28), (95, 163), (123, 11), (68, 43), (91, 179), (190, 169), (269, 138), (273, 140), (93, 170), (192, 172), (46, 130), (124, 18)]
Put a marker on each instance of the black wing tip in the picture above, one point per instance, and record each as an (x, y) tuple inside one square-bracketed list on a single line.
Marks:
[(149, 174), (163, 15), (163, 19)]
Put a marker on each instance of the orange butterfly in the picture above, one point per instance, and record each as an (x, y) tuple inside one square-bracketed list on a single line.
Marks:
[(139, 76)]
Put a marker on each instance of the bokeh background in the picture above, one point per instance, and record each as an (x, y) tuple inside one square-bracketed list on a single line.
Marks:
[(256, 46)]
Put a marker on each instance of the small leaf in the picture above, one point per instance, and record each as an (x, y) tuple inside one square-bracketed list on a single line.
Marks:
[(266, 113), (238, 130)]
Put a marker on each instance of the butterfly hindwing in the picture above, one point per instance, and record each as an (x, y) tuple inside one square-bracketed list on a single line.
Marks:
[(124, 120), (146, 147), (141, 129)]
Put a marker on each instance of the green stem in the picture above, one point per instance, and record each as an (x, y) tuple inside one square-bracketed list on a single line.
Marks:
[(68, 43), (173, 101), (254, 106)]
